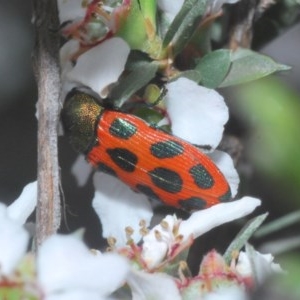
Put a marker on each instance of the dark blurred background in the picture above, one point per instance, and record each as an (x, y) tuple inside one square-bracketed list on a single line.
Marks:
[(265, 116)]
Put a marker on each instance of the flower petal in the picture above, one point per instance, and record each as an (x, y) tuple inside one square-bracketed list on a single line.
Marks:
[(155, 249), (23, 207), (225, 164), (204, 220), (64, 263), (13, 242), (119, 207), (70, 10), (227, 293), (255, 264), (152, 286), (197, 114), (101, 65), (81, 170)]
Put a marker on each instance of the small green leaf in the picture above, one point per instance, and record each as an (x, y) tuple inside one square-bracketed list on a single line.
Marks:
[(149, 115), (184, 24), (194, 75), (248, 65), (279, 224), (186, 7), (214, 68), (139, 76), (136, 59), (243, 236)]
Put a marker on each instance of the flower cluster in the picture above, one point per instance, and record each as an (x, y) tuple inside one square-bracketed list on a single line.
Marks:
[(65, 268)]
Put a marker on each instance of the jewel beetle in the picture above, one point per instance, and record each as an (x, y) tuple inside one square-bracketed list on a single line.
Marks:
[(147, 159)]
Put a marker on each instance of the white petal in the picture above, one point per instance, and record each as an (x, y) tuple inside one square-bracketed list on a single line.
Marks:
[(64, 263), (101, 65), (13, 242), (204, 220), (225, 164), (227, 293), (255, 264), (23, 207), (118, 207), (81, 170), (70, 10), (154, 249), (152, 286), (197, 114), (66, 53)]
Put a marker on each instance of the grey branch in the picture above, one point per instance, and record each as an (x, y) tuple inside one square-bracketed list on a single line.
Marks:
[(46, 67)]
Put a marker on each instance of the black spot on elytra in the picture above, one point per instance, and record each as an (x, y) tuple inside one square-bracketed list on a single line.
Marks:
[(122, 129), (201, 177), (147, 190), (106, 169), (166, 180), (193, 203), (226, 197), (166, 149), (123, 158)]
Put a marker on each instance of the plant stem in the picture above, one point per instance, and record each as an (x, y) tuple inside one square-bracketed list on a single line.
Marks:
[(46, 67)]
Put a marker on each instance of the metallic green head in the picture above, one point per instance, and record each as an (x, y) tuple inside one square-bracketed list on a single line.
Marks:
[(80, 116)]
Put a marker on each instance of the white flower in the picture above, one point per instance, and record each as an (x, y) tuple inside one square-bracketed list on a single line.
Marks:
[(159, 241), (70, 10), (119, 207), (13, 242), (172, 8), (101, 65), (152, 286), (225, 164), (197, 114), (81, 170), (204, 220), (23, 207), (66, 266), (13, 237), (227, 293), (256, 265)]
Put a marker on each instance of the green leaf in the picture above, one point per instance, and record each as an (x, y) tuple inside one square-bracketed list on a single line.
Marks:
[(139, 76), (184, 24), (149, 115), (279, 224), (190, 74), (248, 65), (214, 67), (243, 236), (136, 59)]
